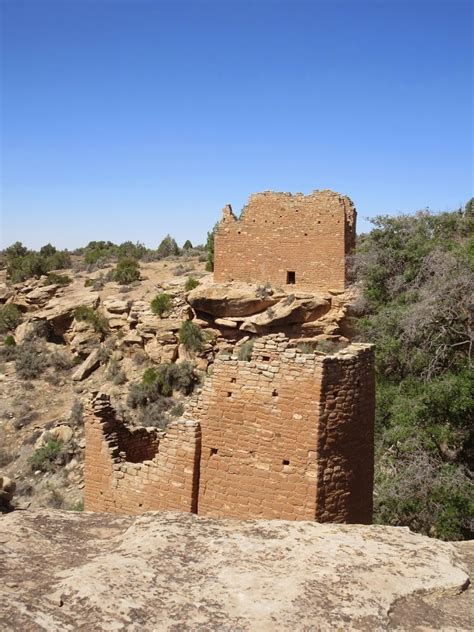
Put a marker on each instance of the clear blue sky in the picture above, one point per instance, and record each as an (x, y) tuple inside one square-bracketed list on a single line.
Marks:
[(132, 119)]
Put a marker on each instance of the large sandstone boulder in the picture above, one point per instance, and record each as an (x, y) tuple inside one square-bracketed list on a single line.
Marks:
[(90, 364), (59, 311), (64, 570), (288, 311), (161, 352), (231, 299), (7, 490)]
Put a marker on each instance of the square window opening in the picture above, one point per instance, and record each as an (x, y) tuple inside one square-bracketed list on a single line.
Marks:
[(291, 277)]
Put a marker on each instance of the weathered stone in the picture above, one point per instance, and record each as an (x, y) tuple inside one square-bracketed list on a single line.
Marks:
[(116, 305), (67, 570), (89, 365), (226, 322), (7, 490), (59, 311), (287, 312), (230, 299), (159, 352), (132, 338), (61, 433)]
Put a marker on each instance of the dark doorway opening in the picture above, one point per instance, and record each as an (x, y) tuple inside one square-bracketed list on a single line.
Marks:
[(290, 278)]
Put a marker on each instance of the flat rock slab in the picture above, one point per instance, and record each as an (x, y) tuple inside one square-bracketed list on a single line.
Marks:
[(168, 571)]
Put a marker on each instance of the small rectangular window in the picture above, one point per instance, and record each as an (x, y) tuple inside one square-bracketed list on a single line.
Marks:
[(290, 277)]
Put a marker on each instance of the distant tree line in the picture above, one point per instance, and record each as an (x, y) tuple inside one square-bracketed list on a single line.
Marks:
[(22, 263), (417, 276)]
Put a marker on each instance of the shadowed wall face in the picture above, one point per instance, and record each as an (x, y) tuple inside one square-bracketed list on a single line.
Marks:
[(286, 239)]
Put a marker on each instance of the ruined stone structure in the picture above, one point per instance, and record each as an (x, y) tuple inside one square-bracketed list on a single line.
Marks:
[(284, 435), (287, 239)]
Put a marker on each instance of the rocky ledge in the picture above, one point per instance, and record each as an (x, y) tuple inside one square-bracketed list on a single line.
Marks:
[(169, 571)]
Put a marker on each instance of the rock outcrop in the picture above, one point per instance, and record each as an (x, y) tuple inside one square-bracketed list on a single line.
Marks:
[(231, 299), (168, 571)]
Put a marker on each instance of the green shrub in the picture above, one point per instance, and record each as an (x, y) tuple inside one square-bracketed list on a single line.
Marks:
[(210, 249), (161, 303), (155, 415), (9, 341), (417, 276), (60, 361), (187, 245), (115, 373), (191, 283), (127, 271), (168, 247), (78, 505), (245, 350), (52, 278), (177, 410), (97, 284), (161, 382), (76, 415), (10, 317), (44, 458), (23, 264), (30, 361), (191, 336), (93, 317)]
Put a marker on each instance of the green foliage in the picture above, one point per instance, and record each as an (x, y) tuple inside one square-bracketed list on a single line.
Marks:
[(44, 458), (161, 382), (161, 303), (187, 245), (191, 283), (155, 414), (168, 248), (8, 351), (10, 317), (53, 278), (210, 249), (9, 341), (93, 317), (60, 360), (76, 415), (30, 360), (127, 271), (245, 350), (78, 505), (23, 264), (191, 336), (417, 274)]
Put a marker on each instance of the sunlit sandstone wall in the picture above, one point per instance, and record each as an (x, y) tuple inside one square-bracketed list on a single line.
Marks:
[(283, 435), (144, 470), (288, 435), (279, 233)]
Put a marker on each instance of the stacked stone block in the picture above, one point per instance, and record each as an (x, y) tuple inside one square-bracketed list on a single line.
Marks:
[(284, 435), (120, 479), (282, 238), (288, 435)]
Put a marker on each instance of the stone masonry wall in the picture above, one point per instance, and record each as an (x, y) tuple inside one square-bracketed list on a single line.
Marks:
[(133, 472), (279, 234), (346, 437), (283, 435), (288, 435)]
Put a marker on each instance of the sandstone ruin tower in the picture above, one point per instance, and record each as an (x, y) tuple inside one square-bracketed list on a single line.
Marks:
[(285, 435), (287, 239)]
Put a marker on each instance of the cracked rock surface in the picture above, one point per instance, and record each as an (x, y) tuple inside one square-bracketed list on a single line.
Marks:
[(169, 571)]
